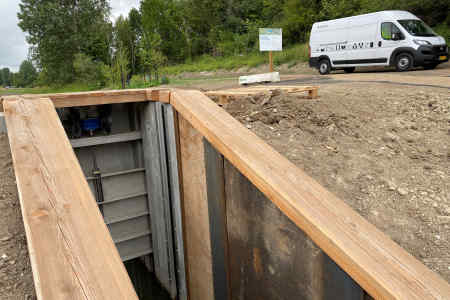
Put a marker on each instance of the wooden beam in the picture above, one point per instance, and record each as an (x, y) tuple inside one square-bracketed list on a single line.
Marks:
[(312, 91), (94, 98), (196, 217), (162, 96), (99, 97), (71, 251), (379, 265)]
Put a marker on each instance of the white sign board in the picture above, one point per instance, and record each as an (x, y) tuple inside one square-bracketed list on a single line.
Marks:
[(270, 39)]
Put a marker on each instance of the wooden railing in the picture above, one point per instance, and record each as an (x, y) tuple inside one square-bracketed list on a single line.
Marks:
[(64, 228)]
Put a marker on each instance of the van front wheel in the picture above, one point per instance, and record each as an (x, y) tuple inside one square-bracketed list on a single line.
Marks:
[(324, 67), (404, 62)]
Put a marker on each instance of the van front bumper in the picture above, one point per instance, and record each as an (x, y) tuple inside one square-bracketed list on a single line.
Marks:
[(428, 55)]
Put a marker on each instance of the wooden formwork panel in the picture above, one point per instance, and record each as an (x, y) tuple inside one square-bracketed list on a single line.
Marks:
[(379, 265), (257, 251), (72, 254), (195, 210)]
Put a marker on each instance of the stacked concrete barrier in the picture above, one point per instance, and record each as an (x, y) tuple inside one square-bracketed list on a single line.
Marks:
[(2, 123)]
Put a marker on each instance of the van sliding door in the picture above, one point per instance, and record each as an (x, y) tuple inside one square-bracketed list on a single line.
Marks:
[(362, 43)]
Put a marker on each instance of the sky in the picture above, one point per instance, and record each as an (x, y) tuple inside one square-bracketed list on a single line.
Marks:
[(13, 46)]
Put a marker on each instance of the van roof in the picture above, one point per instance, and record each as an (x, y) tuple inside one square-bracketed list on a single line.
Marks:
[(386, 14)]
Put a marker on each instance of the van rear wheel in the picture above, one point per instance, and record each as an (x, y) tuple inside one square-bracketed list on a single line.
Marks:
[(324, 67), (404, 62), (349, 70)]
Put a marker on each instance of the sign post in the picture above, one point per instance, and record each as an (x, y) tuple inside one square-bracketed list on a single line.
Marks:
[(270, 61), (270, 39)]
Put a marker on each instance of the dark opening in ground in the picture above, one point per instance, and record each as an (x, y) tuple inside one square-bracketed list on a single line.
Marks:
[(145, 283)]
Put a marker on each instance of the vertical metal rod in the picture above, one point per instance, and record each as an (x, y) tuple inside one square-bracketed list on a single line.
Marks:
[(159, 199), (175, 197), (270, 61), (98, 186)]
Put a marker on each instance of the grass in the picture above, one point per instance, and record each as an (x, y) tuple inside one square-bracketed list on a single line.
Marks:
[(73, 87), (192, 81), (291, 55)]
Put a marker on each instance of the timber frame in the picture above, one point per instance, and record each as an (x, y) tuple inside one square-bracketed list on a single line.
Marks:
[(58, 208)]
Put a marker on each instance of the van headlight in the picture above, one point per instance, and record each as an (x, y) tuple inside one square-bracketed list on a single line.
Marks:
[(422, 42)]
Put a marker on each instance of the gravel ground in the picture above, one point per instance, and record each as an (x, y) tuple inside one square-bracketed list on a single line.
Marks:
[(382, 148), (16, 279)]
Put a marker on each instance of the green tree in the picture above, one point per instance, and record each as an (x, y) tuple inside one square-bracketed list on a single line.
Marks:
[(88, 71), (299, 15), (120, 66), (150, 54), (134, 19), (6, 76), (58, 30), (163, 17), (27, 74)]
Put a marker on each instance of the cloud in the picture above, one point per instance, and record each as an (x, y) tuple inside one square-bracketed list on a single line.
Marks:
[(122, 7), (13, 46)]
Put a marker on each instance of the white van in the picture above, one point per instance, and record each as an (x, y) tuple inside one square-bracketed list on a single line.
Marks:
[(386, 38)]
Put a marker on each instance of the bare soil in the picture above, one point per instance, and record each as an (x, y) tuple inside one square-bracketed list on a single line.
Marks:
[(382, 148), (16, 280)]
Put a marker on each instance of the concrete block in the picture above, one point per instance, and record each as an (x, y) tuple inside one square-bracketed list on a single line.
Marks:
[(2, 123), (267, 77)]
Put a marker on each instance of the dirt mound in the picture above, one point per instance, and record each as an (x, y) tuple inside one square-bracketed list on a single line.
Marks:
[(382, 148), (16, 279)]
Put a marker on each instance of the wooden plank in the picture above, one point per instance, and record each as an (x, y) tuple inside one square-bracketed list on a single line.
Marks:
[(260, 88), (312, 91), (175, 197), (63, 225), (217, 222), (162, 96), (159, 199), (313, 94), (379, 265), (94, 98), (100, 97), (107, 139), (296, 87), (196, 220)]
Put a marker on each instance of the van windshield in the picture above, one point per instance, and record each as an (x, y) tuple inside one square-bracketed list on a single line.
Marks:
[(417, 28)]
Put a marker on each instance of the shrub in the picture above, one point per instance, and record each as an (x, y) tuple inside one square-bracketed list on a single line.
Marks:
[(88, 71)]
